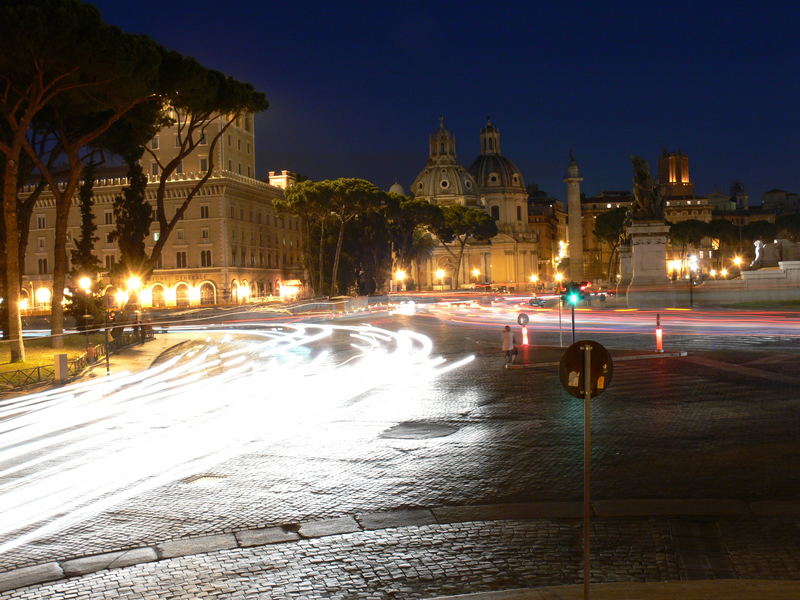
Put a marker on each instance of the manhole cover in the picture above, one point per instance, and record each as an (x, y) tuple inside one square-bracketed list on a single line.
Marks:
[(418, 430)]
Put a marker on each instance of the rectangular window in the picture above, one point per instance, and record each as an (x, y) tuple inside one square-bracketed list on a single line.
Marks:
[(42, 266), (203, 164), (249, 173), (229, 139), (233, 213), (154, 168), (519, 213), (41, 242), (109, 238), (240, 168), (203, 212), (154, 143), (41, 222), (110, 262), (179, 168), (204, 233), (248, 148), (180, 260), (180, 234), (205, 258), (230, 165), (203, 141), (252, 259), (108, 217), (244, 257), (238, 144), (233, 257)]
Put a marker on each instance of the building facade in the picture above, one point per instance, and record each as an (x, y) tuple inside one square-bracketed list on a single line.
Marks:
[(494, 184), (231, 246)]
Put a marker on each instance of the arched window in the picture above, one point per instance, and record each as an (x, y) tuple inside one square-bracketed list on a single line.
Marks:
[(495, 213), (158, 296), (182, 294)]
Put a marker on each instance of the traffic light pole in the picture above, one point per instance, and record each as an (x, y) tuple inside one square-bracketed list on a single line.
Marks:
[(560, 338), (587, 464), (573, 323)]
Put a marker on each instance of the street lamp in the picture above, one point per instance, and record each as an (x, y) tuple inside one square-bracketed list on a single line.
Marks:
[(737, 261), (692, 268), (400, 276), (440, 276), (476, 273), (724, 272)]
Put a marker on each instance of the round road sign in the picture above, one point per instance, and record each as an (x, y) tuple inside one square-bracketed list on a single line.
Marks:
[(572, 369), (523, 318)]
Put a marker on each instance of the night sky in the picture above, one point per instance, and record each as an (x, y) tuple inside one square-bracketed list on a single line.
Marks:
[(355, 88)]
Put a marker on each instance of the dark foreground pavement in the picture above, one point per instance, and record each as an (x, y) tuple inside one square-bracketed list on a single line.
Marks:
[(470, 484)]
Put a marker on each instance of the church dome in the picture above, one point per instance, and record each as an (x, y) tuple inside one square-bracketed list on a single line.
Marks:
[(443, 180), (491, 170), (397, 189)]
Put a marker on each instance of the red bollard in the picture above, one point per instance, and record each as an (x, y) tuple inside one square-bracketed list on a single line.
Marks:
[(659, 335)]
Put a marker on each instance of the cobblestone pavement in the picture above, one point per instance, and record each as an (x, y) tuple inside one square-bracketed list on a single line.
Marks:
[(666, 428), (433, 560)]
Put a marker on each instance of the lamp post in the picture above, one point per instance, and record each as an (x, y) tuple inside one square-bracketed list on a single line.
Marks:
[(440, 276), (692, 267), (558, 278)]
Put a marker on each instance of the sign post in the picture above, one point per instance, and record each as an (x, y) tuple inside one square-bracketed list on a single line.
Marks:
[(585, 372)]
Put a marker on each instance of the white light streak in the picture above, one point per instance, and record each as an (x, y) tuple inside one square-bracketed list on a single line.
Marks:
[(68, 454)]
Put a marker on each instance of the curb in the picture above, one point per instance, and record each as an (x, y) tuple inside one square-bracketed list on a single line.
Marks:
[(617, 359), (414, 517)]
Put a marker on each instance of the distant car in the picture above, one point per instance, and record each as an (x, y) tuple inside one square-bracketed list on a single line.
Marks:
[(536, 302)]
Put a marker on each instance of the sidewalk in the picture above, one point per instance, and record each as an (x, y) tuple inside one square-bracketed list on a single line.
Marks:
[(138, 357), (740, 589)]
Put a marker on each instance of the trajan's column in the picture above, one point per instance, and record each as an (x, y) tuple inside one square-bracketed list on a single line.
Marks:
[(574, 223)]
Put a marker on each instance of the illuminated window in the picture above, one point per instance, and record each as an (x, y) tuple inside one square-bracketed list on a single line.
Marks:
[(156, 235)]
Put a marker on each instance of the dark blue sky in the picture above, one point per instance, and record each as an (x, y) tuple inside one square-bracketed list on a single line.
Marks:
[(355, 88)]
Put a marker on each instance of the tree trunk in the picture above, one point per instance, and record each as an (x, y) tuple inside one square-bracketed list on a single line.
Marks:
[(12, 273), (457, 271), (321, 290), (335, 274)]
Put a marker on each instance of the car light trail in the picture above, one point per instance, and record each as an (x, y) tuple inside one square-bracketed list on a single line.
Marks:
[(68, 454)]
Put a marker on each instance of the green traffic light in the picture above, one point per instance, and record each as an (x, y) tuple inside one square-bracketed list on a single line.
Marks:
[(573, 298)]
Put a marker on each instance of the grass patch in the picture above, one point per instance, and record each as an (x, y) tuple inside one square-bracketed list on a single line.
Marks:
[(40, 352)]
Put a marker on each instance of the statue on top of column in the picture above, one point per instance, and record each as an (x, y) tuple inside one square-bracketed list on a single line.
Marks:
[(648, 205)]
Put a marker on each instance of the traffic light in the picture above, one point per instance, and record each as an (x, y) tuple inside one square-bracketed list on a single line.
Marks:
[(573, 294)]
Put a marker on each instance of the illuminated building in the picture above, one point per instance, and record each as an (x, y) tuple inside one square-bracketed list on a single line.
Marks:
[(494, 184), (231, 246)]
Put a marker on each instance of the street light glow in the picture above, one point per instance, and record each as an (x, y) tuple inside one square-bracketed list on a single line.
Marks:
[(534, 278), (134, 283), (476, 272), (559, 277), (85, 283), (400, 275), (737, 260), (440, 273)]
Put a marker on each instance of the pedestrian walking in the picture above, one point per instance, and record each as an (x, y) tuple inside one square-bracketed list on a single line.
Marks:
[(508, 344)]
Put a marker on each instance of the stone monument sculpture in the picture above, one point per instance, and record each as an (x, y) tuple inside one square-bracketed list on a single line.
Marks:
[(647, 230), (769, 255)]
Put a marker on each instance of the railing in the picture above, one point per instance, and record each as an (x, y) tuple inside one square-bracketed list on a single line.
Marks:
[(93, 355)]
